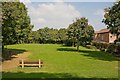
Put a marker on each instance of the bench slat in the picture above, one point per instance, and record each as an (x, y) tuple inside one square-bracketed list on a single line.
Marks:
[(31, 64)]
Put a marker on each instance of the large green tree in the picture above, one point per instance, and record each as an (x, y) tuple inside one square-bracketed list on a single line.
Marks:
[(80, 32), (112, 19), (71, 34), (0, 25), (16, 25)]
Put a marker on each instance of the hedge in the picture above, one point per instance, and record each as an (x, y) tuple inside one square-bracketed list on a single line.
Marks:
[(108, 47)]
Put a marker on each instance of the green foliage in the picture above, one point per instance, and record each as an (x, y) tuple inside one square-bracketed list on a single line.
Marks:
[(114, 49), (62, 34), (79, 32), (101, 46), (108, 47), (15, 23), (49, 35), (91, 47), (112, 18), (0, 28), (68, 42), (111, 48)]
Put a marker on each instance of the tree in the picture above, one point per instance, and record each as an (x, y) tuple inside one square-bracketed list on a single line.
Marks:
[(80, 32), (112, 19), (71, 33), (88, 34), (35, 37), (15, 23), (0, 27), (81, 24), (47, 35), (61, 35), (44, 35)]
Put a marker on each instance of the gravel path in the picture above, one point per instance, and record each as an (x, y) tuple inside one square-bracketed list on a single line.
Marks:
[(14, 63)]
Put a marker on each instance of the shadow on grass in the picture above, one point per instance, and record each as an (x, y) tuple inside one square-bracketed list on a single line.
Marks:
[(67, 49), (44, 75), (37, 75), (8, 54), (100, 55)]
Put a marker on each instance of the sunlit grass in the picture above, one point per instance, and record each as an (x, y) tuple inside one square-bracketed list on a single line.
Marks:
[(61, 59)]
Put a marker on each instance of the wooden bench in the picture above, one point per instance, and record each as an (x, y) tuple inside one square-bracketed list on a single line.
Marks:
[(36, 63)]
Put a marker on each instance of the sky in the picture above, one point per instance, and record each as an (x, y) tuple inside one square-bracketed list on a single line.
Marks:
[(60, 13)]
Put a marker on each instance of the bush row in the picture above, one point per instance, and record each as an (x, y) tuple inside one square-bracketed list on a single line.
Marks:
[(101, 46), (108, 47)]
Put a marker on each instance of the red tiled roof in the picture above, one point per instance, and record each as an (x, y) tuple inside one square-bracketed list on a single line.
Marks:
[(102, 31)]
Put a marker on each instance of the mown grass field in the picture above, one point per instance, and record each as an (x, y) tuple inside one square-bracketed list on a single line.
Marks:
[(65, 62)]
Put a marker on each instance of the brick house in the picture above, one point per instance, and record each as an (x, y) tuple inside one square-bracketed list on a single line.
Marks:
[(104, 35)]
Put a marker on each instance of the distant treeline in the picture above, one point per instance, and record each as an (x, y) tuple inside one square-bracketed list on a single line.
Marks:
[(48, 35), (62, 36)]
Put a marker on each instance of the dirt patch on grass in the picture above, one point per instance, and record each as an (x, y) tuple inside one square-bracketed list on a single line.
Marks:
[(9, 65), (118, 68)]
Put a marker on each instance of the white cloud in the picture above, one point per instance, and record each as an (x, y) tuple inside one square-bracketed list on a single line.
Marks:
[(56, 15), (26, 2), (58, 0), (99, 12), (39, 20)]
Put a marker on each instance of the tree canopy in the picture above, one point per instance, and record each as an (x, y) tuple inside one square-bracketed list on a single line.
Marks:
[(49, 35), (112, 18), (15, 23), (80, 32)]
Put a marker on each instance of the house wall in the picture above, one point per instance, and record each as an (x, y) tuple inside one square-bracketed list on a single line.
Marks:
[(112, 38), (101, 37), (104, 37)]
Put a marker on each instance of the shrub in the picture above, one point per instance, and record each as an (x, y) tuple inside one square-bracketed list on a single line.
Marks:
[(88, 43), (118, 48), (111, 48), (68, 42), (101, 46), (91, 47), (108, 47)]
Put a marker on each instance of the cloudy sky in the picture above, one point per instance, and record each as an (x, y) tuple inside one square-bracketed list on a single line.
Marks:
[(59, 14)]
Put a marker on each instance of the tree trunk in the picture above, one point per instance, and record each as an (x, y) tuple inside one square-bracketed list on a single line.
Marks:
[(78, 46), (117, 36), (2, 48), (73, 43)]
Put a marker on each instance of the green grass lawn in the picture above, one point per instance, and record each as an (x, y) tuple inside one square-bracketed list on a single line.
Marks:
[(61, 62)]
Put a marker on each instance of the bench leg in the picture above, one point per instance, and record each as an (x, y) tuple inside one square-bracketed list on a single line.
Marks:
[(39, 63), (22, 64)]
